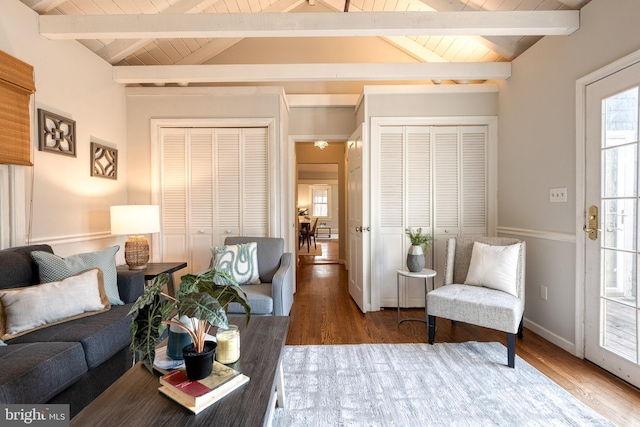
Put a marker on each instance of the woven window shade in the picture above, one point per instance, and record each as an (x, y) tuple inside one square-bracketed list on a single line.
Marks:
[(16, 87)]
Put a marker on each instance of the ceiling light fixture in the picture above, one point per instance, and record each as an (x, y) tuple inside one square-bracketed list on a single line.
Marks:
[(321, 144)]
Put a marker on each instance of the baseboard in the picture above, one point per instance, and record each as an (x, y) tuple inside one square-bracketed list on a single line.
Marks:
[(550, 336)]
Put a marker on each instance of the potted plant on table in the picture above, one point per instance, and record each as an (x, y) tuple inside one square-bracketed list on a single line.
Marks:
[(419, 245), (199, 304)]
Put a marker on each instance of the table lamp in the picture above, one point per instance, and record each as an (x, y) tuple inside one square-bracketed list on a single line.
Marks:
[(134, 220)]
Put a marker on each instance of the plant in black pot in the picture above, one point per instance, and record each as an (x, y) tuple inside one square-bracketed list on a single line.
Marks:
[(199, 304)]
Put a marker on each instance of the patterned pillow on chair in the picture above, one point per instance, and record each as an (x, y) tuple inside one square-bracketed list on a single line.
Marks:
[(241, 261)]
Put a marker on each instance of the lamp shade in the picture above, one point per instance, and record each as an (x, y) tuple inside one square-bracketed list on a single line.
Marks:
[(135, 219)]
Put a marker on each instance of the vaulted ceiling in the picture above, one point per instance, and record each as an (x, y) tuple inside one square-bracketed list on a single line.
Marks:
[(308, 46)]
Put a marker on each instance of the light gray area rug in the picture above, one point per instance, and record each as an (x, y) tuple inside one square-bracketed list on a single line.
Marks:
[(466, 384)]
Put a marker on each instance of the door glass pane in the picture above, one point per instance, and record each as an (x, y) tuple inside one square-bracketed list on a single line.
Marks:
[(620, 331), (619, 171), (619, 205), (619, 224), (621, 118), (619, 276)]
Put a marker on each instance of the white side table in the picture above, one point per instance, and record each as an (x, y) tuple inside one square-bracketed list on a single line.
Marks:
[(425, 274)]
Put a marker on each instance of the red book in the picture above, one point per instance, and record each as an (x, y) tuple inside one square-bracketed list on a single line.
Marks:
[(193, 392), (178, 379)]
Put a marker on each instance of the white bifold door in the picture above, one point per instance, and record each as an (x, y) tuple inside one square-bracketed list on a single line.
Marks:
[(213, 183), (429, 177)]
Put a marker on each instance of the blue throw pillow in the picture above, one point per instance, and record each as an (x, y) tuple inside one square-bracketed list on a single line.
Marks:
[(54, 268)]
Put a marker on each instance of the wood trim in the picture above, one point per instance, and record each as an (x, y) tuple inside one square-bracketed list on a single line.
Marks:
[(411, 23), (537, 234), (72, 238)]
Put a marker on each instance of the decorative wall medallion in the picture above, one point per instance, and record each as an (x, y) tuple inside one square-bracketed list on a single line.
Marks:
[(57, 134), (104, 161)]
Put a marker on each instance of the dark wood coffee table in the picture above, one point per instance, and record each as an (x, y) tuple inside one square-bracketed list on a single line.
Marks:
[(134, 399)]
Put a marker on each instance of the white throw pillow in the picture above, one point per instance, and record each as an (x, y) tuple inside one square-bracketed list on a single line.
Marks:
[(494, 267), (23, 310), (240, 261)]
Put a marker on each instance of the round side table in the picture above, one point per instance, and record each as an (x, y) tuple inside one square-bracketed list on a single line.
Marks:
[(425, 274)]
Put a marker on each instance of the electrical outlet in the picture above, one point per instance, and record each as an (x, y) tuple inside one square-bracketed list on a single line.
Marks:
[(543, 292), (558, 195)]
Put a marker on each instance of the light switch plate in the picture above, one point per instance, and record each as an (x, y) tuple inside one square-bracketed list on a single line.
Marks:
[(558, 195)]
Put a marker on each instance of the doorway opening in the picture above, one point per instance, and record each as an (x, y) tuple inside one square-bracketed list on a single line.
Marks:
[(318, 213), (320, 200)]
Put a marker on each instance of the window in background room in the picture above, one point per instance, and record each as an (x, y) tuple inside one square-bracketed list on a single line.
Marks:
[(320, 201)]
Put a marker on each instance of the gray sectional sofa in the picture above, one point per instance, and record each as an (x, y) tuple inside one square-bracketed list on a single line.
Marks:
[(72, 362)]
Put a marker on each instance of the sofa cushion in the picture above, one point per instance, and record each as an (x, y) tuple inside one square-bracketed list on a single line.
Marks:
[(25, 309), (101, 336), (54, 268), (17, 268), (39, 371), (259, 299), (476, 305), (240, 261)]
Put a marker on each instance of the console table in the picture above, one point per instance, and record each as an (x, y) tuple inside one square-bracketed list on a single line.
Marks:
[(134, 399)]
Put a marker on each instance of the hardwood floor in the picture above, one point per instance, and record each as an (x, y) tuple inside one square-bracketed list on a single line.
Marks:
[(324, 313)]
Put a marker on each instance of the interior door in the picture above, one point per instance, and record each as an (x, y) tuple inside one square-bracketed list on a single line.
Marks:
[(358, 218), (611, 210)]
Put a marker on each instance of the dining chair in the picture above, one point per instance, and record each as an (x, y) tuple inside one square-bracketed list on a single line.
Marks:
[(309, 233)]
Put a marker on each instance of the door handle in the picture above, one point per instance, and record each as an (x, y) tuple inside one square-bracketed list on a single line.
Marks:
[(359, 229), (592, 223)]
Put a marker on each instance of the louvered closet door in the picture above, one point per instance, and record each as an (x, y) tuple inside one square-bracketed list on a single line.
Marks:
[(255, 199), (390, 212), (418, 202), (404, 170), (227, 143), (200, 217), (242, 182), (460, 186), (174, 207), (474, 180)]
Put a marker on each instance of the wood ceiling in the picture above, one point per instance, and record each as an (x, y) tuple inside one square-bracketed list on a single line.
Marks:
[(308, 46)]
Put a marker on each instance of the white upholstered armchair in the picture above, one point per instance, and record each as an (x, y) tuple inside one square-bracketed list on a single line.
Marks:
[(493, 296)]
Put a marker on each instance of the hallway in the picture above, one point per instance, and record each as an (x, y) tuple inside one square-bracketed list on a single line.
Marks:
[(329, 248)]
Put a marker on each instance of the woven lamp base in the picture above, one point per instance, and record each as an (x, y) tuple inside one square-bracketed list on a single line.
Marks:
[(136, 252)]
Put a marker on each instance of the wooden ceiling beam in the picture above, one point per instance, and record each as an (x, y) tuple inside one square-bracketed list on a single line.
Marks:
[(201, 25), (251, 73)]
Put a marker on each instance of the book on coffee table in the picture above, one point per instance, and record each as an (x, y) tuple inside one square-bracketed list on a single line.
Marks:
[(222, 380), (205, 400)]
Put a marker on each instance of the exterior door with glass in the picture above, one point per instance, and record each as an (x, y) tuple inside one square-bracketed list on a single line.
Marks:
[(612, 313)]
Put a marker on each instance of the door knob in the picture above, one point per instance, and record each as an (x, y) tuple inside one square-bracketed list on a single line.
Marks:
[(592, 223), (359, 229)]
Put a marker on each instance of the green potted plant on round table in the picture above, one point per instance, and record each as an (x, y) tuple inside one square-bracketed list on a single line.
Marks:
[(419, 245), (199, 304)]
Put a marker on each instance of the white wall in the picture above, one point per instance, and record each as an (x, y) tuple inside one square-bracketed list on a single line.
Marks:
[(537, 151), (70, 208)]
